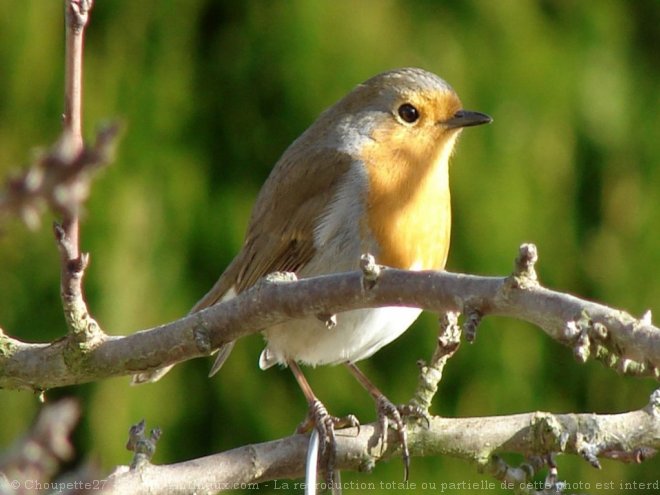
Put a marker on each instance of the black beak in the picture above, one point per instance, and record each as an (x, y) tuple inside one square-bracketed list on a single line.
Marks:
[(466, 118)]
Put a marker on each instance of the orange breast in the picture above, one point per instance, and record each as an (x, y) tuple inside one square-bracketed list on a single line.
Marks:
[(408, 208)]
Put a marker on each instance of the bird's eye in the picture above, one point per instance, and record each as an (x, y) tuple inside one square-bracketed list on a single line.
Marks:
[(408, 113)]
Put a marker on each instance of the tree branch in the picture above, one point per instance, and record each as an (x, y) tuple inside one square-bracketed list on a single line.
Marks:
[(620, 341), (629, 436), (36, 457), (83, 329), (76, 15), (58, 178)]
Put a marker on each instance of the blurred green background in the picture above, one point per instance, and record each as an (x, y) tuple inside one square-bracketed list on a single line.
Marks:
[(212, 92)]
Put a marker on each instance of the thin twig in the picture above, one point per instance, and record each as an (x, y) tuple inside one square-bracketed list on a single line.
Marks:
[(430, 374), (37, 456), (77, 15), (57, 178), (72, 264)]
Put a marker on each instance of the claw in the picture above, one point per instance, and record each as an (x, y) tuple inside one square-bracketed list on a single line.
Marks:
[(387, 412), (325, 424), (414, 411)]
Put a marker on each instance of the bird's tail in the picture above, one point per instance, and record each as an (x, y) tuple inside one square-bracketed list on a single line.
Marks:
[(221, 291)]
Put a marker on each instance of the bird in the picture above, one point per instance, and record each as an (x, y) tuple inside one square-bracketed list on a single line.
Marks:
[(370, 175)]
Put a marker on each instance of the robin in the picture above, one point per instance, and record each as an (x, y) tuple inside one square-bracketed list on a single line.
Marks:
[(370, 175)]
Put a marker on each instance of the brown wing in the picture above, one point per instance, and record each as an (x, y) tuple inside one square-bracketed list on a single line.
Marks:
[(280, 235)]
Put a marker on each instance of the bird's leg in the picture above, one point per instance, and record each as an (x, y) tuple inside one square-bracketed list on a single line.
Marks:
[(319, 418), (387, 412)]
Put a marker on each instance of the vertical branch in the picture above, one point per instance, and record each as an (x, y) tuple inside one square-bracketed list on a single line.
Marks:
[(73, 262), (76, 15), (430, 374)]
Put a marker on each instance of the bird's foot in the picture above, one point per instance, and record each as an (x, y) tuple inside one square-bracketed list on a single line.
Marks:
[(391, 413), (325, 424)]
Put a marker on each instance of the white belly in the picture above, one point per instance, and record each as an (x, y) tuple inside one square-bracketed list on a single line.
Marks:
[(357, 335)]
